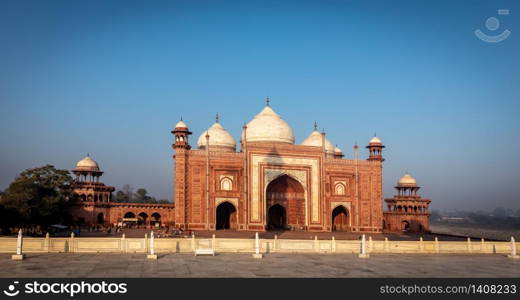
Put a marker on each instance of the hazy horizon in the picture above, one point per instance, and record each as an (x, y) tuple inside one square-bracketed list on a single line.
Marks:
[(112, 79)]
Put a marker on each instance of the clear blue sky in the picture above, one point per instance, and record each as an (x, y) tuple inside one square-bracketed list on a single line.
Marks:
[(112, 77)]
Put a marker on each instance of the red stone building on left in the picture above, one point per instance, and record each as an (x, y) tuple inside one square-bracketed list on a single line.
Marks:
[(95, 206)]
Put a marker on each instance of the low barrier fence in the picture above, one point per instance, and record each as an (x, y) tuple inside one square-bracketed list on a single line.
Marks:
[(228, 245)]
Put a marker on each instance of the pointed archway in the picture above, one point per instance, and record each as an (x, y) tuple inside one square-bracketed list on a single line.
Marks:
[(156, 219), (142, 218), (285, 201), (340, 219), (226, 216)]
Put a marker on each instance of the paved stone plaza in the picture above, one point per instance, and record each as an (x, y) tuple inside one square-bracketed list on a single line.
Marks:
[(273, 265)]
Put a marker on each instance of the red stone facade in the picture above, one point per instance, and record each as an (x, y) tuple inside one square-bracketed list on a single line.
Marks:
[(95, 206), (334, 194), (99, 213), (407, 211)]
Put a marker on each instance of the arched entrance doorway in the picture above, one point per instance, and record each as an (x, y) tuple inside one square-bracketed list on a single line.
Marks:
[(156, 219), (129, 219), (142, 218), (285, 200), (100, 218), (226, 216), (340, 219), (276, 218)]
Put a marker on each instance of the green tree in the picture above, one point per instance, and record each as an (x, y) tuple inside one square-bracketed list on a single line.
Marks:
[(140, 196), (120, 196), (128, 191), (38, 196)]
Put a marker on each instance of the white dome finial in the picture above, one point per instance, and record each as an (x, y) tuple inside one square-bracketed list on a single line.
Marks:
[(316, 139), (375, 140), (407, 180), (87, 164), (181, 124), (218, 137)]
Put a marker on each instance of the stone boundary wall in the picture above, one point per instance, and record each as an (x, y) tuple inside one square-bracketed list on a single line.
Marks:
[(223, 245)]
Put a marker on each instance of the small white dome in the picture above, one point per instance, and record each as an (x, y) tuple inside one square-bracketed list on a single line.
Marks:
[(87, 164), (181, 124), (268, 126), (337, 150), (407, 180), (315, 139), (218, 136), (375, 140)]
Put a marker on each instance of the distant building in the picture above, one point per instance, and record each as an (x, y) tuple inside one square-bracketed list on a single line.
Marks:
[(95, 206), (407, 211)]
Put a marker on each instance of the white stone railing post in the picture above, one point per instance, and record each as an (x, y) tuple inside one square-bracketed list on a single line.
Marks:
[(123, 243), (19, 245), (469, 245), (387, 246), (152, 254), (257, 253), (421, 244), (71, 242), (333, 244), (47, 242), (513, 249), (437, 248), (363, 253), (193, 242), (213, 243)]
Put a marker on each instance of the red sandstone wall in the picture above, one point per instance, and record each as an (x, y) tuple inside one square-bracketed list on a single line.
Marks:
[(418, 222), (114, 212), (191, 200)]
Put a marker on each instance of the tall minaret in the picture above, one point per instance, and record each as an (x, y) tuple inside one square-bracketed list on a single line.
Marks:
[(181, 133), (375, 148), (180, 197)]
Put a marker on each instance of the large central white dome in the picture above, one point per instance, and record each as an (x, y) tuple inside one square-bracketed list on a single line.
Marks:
[(268, 126)]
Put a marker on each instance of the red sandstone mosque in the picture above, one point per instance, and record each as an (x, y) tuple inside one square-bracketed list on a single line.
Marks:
[(270, 183)]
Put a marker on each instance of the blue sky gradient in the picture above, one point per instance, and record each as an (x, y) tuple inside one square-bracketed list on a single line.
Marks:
[(112, 77)]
